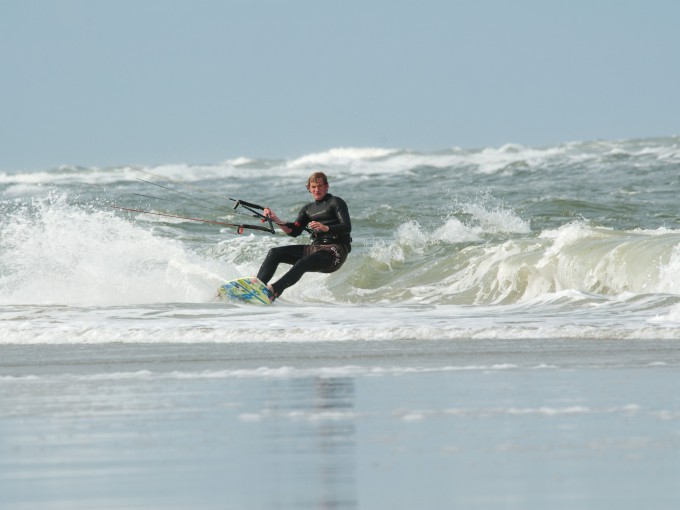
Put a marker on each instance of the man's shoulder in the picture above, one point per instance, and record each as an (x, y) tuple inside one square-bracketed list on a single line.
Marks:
[(336, 199), (324, 203)]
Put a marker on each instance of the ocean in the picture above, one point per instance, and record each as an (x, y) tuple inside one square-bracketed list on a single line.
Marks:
[(504, 334)]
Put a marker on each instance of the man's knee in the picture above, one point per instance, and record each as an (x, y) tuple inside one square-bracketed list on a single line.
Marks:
[(272, 254)]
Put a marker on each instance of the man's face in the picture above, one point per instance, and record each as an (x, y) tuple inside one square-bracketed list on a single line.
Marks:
[(318, 189)]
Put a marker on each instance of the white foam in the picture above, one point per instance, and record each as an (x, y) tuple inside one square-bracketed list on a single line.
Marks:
[(367, 161), (416, 415), (455, 231), (295, 324), (343, 156), (495, 219), (412, 237), (669, 273), (263, 372), (58, 253), (511, 156), (671, 318)]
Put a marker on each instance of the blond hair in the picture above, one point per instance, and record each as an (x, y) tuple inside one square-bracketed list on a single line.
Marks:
[(316, 177)]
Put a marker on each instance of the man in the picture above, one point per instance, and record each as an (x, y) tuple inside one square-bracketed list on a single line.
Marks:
[(327, 218)]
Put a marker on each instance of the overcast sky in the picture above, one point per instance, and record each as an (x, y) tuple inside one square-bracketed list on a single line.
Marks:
[(112, 82)]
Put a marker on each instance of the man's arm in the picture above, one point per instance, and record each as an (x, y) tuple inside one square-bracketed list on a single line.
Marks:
[(281, 224), (292, 229), (344, 225)]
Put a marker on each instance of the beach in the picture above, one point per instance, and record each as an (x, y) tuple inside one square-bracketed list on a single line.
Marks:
[(475, 424)]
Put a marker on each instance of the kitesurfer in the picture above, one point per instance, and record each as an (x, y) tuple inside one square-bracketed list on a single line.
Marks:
[(327, 217)]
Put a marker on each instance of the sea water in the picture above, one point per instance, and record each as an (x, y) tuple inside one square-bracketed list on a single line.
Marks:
[(504, 334)]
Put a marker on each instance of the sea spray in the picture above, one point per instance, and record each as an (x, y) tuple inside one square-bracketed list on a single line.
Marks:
[(54, 252)]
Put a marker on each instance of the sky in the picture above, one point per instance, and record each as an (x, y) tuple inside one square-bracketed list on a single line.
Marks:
[(116, 82)]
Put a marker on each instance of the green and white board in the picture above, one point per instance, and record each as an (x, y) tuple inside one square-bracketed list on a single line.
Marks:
[(246, 290)]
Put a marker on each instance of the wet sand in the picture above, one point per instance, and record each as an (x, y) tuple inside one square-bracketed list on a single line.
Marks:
[(399, 425)]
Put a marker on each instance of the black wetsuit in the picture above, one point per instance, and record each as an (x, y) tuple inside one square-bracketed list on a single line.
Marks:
[(328, 250)]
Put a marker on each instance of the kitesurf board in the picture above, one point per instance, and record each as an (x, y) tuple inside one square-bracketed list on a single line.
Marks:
[(246, 290)]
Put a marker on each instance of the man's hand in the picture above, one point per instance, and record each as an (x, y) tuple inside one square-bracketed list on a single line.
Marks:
[(315, 225)]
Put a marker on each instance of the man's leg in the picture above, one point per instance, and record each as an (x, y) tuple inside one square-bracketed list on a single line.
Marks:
[(283, 254), (319, 261)]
